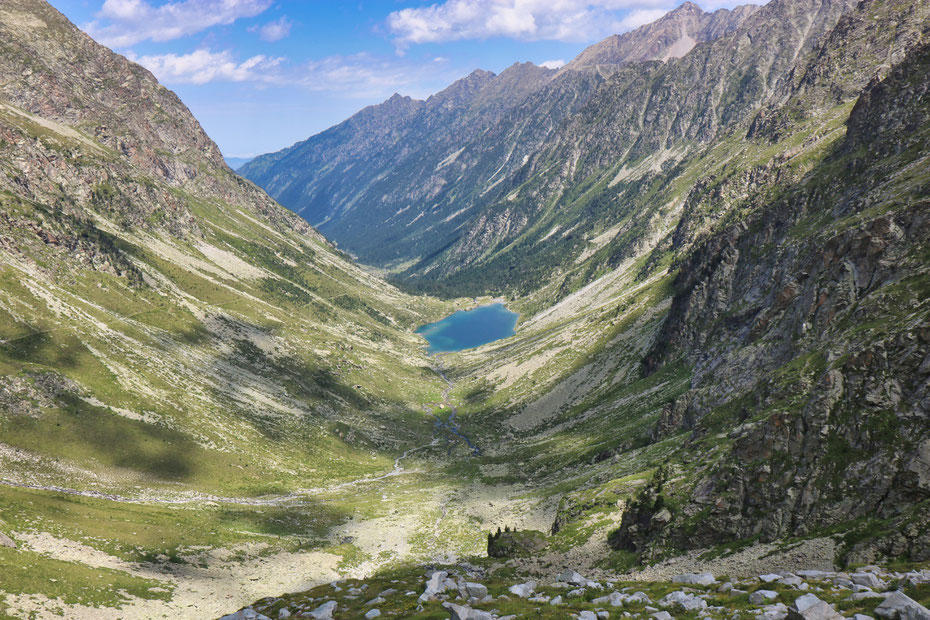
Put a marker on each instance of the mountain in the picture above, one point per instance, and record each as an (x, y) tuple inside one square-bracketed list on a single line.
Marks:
[(173, 343), (236, 162), (672, 36), (457, 210), (721, 362)]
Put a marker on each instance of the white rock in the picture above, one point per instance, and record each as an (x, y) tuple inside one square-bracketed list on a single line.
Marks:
[(662, 615), (809, 607), (373, 613), (760, 597), (556, 601), (523, 590), (476, 590), (639, 597), (700, 579), (900, 606), (572, 577), (6, 541), (867, 579), (284, 612), (246, 614), (685, 600), (324, 611), (769, 578), (587, 615), (463, 612)]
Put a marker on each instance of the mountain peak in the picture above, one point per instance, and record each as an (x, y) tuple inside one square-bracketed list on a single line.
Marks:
[(687, 8), (671, 36)]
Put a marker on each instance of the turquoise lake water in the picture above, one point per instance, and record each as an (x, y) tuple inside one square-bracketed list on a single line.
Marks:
[(466, 329)]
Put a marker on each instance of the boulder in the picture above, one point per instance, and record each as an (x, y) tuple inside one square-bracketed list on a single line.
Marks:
[(284, 612), (523, 590), (868, 580), (556, 600), (698, 579), (662, 615), (372, 613), (685, 600), (769, 578), (6, 541), (587, 615), (900, 606), (434, 585), (476, 590), (809, 607), (814, 574), (464, 612), (245, 614), (572, 577), (761, 597), (324, 611)]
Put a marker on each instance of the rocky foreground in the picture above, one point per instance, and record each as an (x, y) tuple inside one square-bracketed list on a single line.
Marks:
[(467, 592)]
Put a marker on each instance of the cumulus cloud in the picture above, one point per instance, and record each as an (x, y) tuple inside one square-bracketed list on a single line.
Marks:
[(357, 76), (528, 20), (552, 64), (641, 17), (121, 23), (274, 31), (366, 75), (204, 66)]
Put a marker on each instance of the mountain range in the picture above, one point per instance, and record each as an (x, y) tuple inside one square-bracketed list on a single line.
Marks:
[(715, 230)]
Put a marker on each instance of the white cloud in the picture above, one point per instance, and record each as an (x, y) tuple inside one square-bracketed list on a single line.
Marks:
[(552, 64), (528, 20), (641, 17), (121, 23), (362, 75), (204, 66), (274, 31), (366, 76)]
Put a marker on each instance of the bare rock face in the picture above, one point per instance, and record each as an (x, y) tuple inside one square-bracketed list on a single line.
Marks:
[(672, 36), (844, 431)]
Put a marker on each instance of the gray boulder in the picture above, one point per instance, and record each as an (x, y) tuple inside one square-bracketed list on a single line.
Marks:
[(464, 612), (685, 600), (324, 611), (246, 614), (699, 579), (572, 577), (6, 541), (868, 580), (662, 615), (761, 597), (809, 607), (900, 606), (476, 590), (523, 590), (372, 613), (769, 578)]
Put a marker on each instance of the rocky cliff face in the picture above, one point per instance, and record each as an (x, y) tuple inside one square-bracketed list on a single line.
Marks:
[(806, 324)]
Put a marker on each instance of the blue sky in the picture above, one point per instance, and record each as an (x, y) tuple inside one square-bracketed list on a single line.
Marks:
[(263, 74)]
